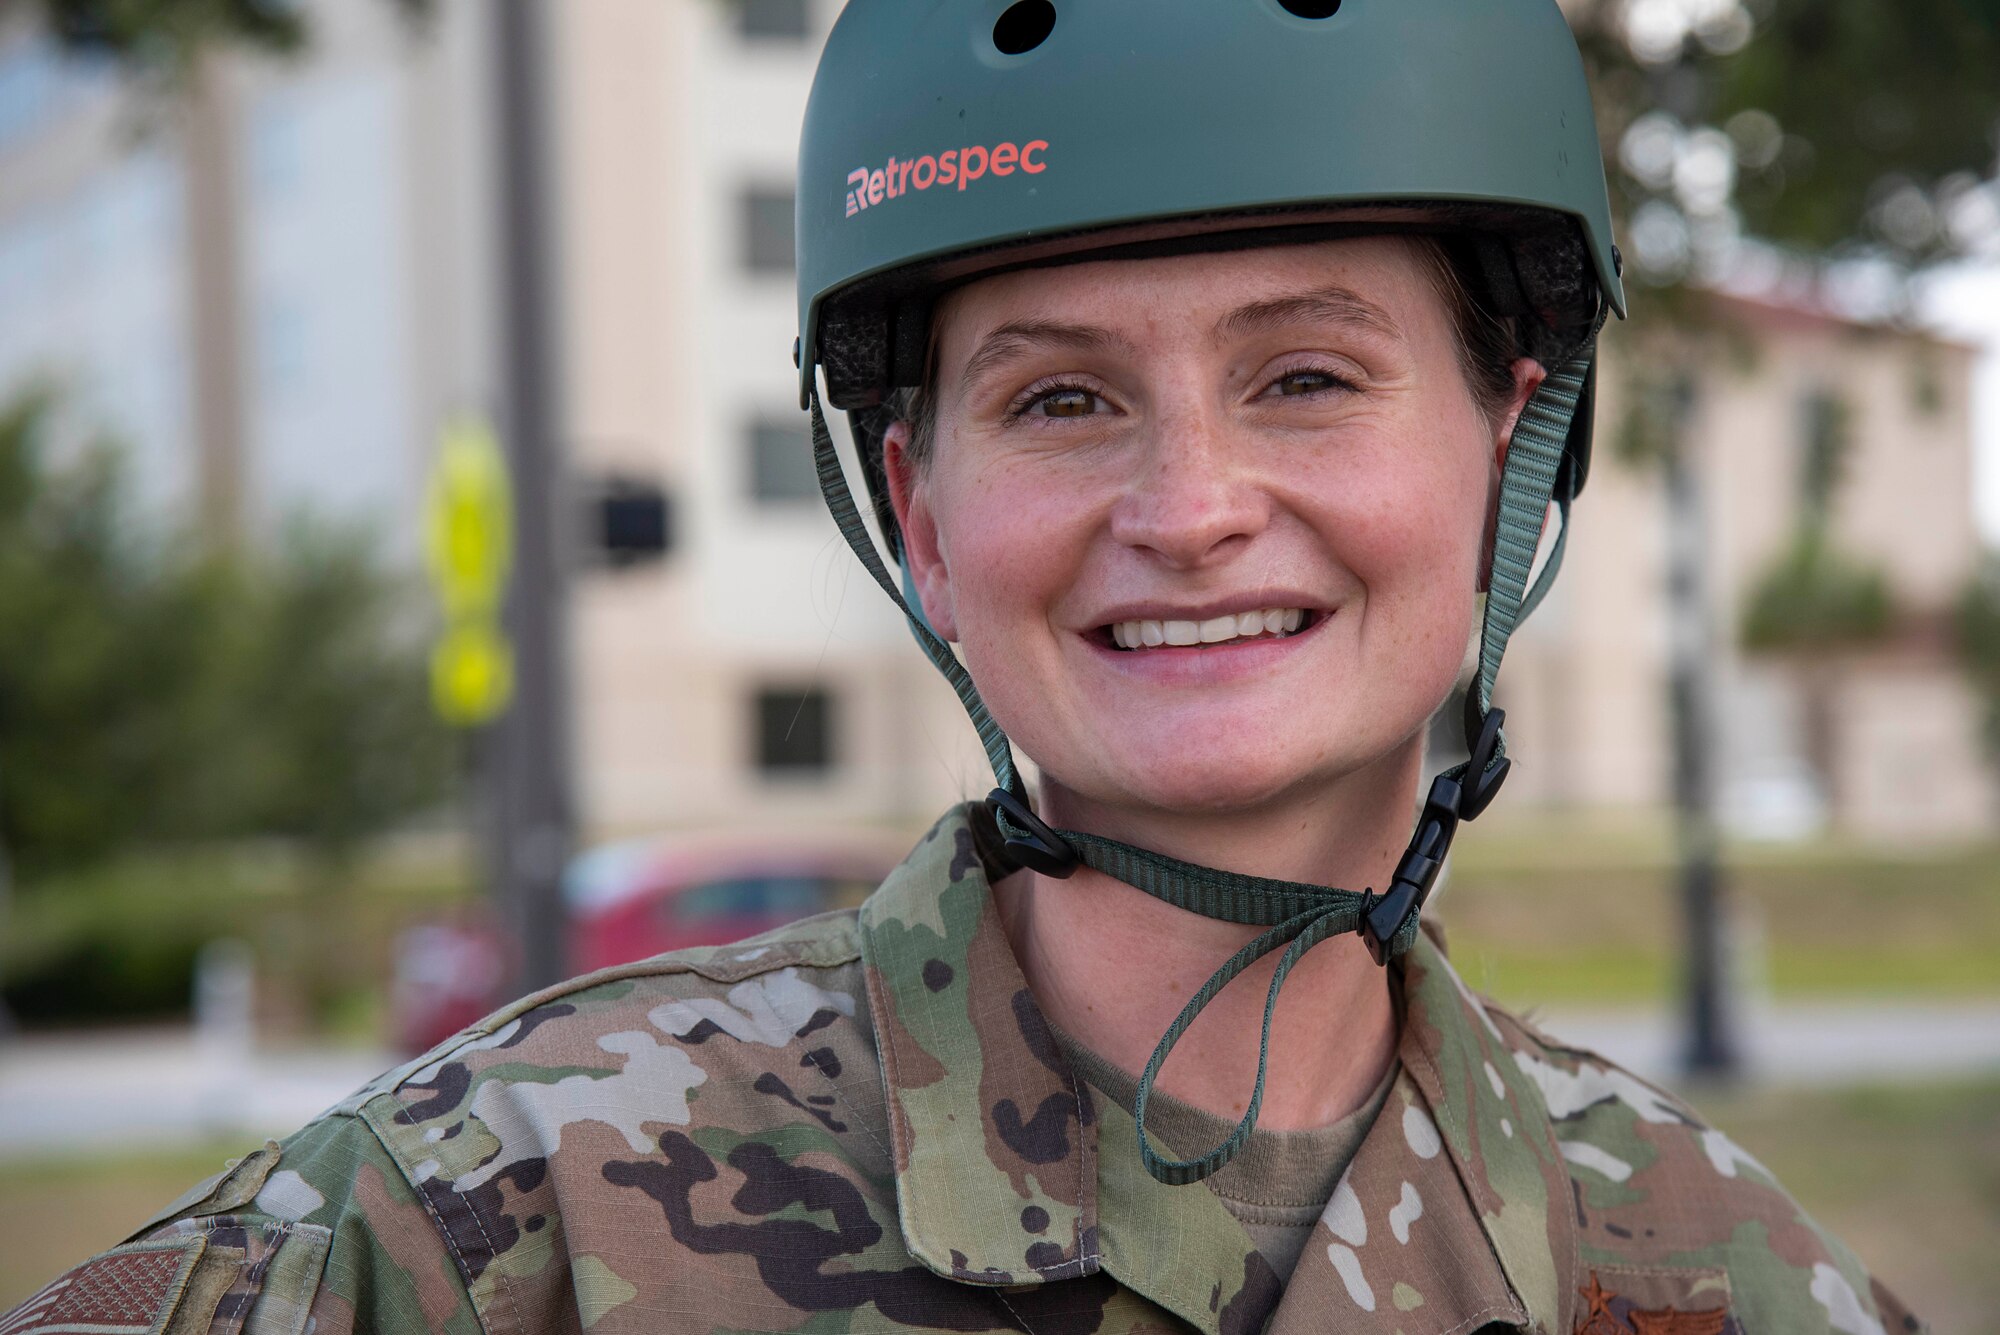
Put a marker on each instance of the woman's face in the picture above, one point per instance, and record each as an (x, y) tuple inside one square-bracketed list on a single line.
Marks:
[(1208, 528)]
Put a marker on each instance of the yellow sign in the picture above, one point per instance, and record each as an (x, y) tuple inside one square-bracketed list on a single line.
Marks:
[(469, 540), (472, 673), (469, 521)]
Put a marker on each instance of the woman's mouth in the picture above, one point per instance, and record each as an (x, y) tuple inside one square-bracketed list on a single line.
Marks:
[(1271, 623)]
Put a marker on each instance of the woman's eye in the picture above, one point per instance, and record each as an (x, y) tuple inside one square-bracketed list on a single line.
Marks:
[(1065, 403), (1308, 382)]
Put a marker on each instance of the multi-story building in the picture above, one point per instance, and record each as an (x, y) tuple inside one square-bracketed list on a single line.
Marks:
[(1900, 756), (280, 297), (269, 287)]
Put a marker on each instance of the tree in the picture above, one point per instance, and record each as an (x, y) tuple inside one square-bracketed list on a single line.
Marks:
[(1978, 626), (1851, 137), (161, 691), (1837, 132), (162, 40), (102, 692), (1816, 604)]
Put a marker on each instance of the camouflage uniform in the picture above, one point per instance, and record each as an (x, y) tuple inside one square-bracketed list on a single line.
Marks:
[(862, 1122)]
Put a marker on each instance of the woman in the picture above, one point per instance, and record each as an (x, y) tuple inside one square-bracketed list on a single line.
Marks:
[(1208, 360)]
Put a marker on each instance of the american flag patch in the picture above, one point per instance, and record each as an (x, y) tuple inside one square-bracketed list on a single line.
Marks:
[(130, 1291)]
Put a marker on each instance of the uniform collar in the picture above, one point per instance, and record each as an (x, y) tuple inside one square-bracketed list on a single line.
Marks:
[(1454, 1213)]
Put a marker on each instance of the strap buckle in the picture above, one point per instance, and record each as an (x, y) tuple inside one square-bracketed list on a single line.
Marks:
[(1036, 847), (1418, 870), (1450, 801)]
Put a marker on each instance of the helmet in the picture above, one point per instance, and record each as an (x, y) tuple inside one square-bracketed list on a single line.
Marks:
[(944, 142)]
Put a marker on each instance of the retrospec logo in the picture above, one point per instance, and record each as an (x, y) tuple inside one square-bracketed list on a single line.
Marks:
[(869, 186)]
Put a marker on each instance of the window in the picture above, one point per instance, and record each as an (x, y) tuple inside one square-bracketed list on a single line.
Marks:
[(778, 896), (767, 230), (1826, 438), (774, 20), (794, 731), (782, 471)]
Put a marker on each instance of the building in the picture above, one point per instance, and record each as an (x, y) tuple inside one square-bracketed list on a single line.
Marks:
[(269, 290), (280, 297), (1587, 673)]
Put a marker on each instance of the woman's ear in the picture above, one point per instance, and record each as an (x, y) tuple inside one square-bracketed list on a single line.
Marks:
[(923, 555), (1528, 377)]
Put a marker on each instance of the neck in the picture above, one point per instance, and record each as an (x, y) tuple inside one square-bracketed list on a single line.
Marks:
[(1112, 966)]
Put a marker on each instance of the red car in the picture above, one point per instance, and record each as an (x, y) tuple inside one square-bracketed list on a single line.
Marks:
[(631, 900), (627, 901)]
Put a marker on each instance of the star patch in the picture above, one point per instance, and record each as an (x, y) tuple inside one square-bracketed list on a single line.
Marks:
[(1598, 1320)]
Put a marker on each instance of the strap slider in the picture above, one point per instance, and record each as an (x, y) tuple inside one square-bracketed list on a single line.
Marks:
[(1036, 846), (1481, 786)]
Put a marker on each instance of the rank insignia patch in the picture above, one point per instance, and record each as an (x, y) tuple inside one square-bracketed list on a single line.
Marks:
[(1655, 1302)]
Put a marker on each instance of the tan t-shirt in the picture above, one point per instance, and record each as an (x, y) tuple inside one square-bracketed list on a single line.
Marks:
[(1277, 1184)]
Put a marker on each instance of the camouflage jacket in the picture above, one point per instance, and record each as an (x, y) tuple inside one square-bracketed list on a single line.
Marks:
[(862, 1123)]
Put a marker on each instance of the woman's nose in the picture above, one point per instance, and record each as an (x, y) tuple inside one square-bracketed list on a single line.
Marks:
[(1190, 499)]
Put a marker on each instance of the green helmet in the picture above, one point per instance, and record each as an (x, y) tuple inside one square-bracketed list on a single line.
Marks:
[(948, 141)]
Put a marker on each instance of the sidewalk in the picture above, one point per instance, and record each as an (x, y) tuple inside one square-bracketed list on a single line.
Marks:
[(1806, 1043), (154, 1088), (148, 1089)]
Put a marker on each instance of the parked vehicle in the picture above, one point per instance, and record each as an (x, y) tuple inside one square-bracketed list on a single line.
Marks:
[(629, 900)]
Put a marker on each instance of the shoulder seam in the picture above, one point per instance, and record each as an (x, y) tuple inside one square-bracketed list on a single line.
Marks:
[(659, 966), (664, 966), (437, 1221)]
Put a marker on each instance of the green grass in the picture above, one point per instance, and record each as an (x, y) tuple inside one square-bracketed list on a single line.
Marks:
[(1534, 918), (118, 942), (56, 1211)]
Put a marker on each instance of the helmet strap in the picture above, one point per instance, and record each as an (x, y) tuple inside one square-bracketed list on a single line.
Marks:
[(1299, 915)]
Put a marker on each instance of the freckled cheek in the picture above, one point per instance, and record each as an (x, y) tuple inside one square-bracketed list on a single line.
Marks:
[(1012, 553), (1415, 550)]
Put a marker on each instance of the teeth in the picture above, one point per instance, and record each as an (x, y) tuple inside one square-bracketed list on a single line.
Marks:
[(1216, 630)]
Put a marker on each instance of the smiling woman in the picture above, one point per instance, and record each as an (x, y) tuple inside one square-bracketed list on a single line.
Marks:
[(1206, 442), (1190, 442)]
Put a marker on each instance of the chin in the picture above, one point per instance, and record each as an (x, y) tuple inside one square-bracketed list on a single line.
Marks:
[(1246, 765), (1219, 784)]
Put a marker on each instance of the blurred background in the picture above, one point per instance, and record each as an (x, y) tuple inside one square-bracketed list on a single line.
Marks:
[(414, 587)]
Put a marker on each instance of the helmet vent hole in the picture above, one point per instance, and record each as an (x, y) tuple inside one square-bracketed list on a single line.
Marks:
[(1024, 26), (1312, 9)]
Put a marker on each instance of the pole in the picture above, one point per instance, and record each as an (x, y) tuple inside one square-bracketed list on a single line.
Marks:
[(531, 780), (8, 1027), (1710, 1050)]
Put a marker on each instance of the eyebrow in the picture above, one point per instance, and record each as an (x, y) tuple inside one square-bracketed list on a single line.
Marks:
[(1020, 337), (1326, 305)]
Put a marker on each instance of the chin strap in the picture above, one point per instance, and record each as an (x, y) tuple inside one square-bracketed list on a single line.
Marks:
[(1298, 915)]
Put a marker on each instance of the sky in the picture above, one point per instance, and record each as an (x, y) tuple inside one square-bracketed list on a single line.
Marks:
[(1966, 304)]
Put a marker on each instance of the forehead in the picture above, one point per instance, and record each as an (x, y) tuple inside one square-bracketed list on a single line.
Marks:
[(1198, 292)]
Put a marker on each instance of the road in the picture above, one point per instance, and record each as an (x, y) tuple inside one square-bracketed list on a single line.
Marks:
[(160, 1088)]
